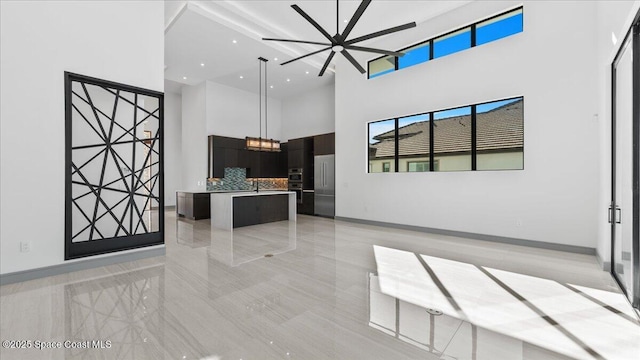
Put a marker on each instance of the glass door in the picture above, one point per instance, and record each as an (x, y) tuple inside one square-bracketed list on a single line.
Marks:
[(623, 213)]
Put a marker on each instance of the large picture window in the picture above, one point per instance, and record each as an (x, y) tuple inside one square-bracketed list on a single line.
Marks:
[(485, 136), (484, 31)]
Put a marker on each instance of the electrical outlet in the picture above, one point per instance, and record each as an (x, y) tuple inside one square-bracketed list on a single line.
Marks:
[(25, 246)]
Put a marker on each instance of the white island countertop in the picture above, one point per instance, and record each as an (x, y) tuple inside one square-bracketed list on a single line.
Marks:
[(252, 193), (212, 191), (222, 205)]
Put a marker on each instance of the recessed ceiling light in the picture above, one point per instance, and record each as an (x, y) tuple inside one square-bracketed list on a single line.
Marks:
[(271, 86), (345, 21), (235, 42), (306, 72), (288, 80), (184, 78), (201, 64), (241, 77), (275, 59)]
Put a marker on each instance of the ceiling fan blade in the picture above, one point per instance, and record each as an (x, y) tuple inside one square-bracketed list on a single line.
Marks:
[(354, 19), (326, 63), (313, 22), (379, 51), (353, 61), (381, 33), (304, 56), (297, 41)]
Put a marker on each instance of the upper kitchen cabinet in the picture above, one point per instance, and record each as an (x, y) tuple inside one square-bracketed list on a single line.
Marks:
[(324, 144), (300, 156), (295, 153), (226, 152)]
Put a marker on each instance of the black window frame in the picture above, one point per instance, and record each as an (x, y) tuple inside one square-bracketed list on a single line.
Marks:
[(432, 160)]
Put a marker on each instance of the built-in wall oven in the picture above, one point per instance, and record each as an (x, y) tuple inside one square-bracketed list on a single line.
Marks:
[(295, 175), (297, 188)]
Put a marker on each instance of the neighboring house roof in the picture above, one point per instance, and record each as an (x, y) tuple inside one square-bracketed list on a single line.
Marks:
[(500, 128)]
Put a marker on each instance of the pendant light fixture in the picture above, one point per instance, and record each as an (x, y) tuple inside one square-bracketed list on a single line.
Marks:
[(259, 143)]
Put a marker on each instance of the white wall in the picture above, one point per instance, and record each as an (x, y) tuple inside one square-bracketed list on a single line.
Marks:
[(613, 20), (39, 40), (552, 64), (194, 137), (235, 113), (172, 147), (310, 113)]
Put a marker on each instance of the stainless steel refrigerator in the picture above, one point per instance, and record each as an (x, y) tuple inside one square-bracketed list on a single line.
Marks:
[(325, 185)]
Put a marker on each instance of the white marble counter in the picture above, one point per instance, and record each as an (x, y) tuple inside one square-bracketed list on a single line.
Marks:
[(222, 206)]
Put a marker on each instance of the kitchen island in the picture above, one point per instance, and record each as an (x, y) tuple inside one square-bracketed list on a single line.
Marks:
[(236, 209), (196, 204)]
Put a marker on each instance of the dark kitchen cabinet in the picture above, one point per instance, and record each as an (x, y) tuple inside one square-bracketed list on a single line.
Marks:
[(252, 162), (260, 209), (300, 156), (324, 144), (307, 206), (296, 144), (193, 206), (228, 142), (231, 157), (269, 164), (296, 158), (307, 166), (245, 211), (218, 162), (225, 152)]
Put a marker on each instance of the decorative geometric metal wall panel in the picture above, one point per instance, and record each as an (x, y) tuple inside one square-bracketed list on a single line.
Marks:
[(114, 166)]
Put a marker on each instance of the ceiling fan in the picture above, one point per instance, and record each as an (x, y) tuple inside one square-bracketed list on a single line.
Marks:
[(339, 42)]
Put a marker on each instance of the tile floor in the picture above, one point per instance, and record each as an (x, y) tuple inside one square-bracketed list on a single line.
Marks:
[(331, 290)]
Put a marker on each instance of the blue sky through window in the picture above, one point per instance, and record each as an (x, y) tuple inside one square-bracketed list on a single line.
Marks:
[(379, 127), (414, 56), (498, 29), (451, 113), (450, 44), (412, 119), (490, 106), (486, 31)]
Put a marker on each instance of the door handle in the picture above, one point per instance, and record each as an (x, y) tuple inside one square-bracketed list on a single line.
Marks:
[(618, 215), (324, 173), (610, 212)]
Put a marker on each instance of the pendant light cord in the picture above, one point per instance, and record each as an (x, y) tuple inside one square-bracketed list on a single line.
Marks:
[(260, 100), (266, 102)]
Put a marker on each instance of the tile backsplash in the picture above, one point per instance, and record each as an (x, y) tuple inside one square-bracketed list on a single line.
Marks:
[(236, 179)]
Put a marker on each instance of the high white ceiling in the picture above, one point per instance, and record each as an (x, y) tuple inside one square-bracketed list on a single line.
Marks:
[(203, 32)]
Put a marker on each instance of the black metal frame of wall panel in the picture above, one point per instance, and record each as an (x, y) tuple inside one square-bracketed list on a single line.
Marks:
[(74, 250), (634, 32)]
